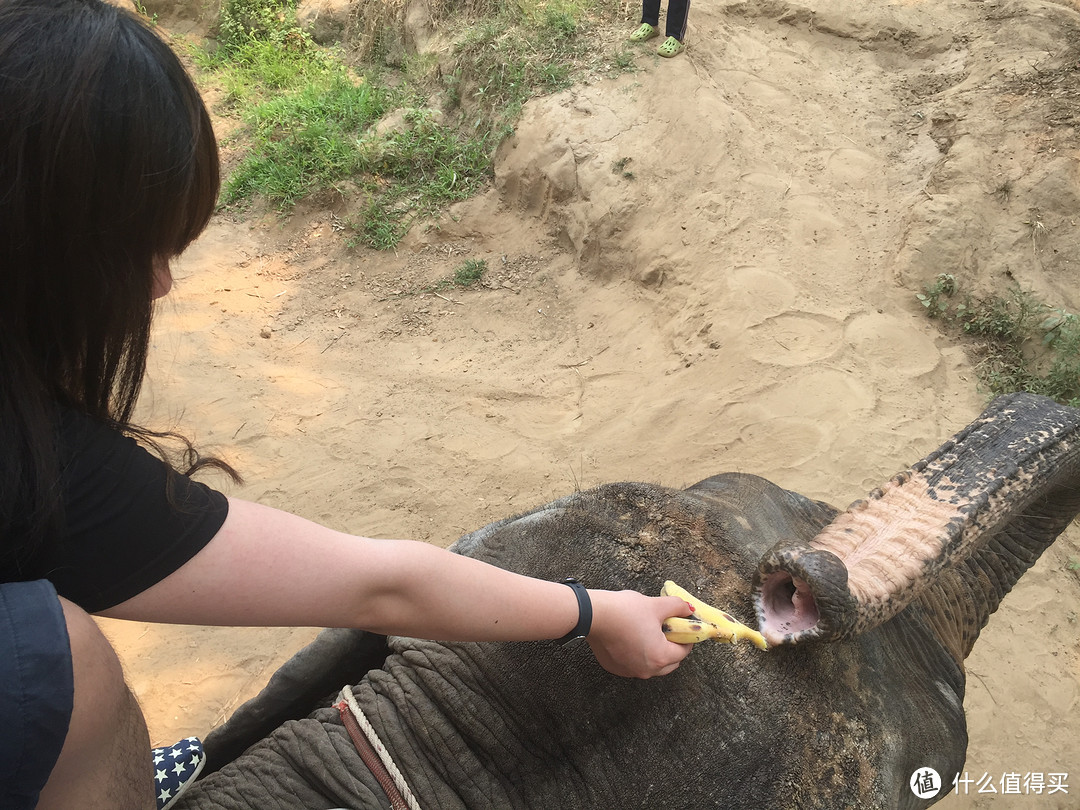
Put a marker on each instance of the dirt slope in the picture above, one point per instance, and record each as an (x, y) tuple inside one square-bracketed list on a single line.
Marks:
[(708, 264)]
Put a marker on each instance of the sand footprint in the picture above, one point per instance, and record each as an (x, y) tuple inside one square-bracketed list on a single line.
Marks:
[(855, 167), (794, 339), (887, 343), (766, 94), (760, 294), (785, 442), (814, 393), (816, 229)]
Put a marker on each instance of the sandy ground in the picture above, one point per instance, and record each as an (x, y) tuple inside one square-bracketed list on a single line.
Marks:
[(707, 264)]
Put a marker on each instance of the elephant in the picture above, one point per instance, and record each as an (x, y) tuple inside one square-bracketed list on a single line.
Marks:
[(869, 614)]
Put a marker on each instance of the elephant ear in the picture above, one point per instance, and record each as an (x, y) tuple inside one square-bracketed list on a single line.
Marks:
[(955, 531), (307, 680)]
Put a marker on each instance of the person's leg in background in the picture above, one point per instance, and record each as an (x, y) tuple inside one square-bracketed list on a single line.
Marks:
[(677, 13), (675, 28), (650, 22)]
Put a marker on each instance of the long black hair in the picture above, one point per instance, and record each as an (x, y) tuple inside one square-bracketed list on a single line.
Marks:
[(108, 165)]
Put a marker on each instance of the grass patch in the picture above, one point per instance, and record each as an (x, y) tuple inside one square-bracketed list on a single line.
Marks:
[(309, 121), (467, 275), (470, 273), (501, 62), (410, 172), (242, 21), (619, 167), (140, 9), (309, 128), (304, 141), (302, 109), (1019, 342)]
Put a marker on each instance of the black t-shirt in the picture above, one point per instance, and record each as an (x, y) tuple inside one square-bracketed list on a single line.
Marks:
[(129, 521)]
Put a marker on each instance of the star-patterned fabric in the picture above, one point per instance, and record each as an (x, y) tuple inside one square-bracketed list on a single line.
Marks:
[(175, 768)]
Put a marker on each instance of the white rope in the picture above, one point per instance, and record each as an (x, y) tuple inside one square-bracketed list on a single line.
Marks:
[(380, 749)]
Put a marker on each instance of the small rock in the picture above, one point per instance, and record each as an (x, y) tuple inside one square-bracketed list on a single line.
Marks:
[(265, 332)]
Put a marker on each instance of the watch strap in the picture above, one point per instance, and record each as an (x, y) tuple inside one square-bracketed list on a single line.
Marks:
[(584, 623)]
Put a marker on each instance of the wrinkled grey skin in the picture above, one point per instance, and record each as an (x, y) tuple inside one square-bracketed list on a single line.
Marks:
[(841, 724)]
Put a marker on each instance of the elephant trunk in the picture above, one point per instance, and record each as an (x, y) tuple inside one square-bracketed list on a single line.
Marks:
[(1003, 487)]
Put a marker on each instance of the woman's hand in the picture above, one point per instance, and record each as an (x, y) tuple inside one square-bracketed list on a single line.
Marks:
[(626, 635)]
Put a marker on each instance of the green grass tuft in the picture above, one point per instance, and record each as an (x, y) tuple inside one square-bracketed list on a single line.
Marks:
[(470, 272), (1019, 343)]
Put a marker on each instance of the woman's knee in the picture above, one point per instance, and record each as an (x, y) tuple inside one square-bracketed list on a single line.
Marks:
[(93, 659), (106, 754), (101, 695)]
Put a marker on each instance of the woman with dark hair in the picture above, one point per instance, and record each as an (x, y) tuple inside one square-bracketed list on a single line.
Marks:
[(109, 169)]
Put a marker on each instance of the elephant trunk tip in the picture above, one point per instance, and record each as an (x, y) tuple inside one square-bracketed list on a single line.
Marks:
[(787, 610), (801, 594)]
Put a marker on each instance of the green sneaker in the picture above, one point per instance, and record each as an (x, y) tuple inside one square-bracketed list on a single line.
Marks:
[(670, 47), (644, 33)]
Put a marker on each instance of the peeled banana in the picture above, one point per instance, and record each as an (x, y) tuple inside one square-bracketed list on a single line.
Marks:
[(706, 622)]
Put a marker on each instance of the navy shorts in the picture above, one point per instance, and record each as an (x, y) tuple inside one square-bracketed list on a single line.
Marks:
[(36, 689)]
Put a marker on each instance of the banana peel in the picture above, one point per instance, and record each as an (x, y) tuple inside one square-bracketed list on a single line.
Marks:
[(706, 622)]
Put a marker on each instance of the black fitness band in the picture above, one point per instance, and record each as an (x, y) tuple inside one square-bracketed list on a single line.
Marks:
[(584, 622)]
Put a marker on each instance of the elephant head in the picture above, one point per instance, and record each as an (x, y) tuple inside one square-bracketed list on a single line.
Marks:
[(898, 586)]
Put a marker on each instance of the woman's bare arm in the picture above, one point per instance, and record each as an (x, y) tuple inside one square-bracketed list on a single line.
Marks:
[(271, 568)]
